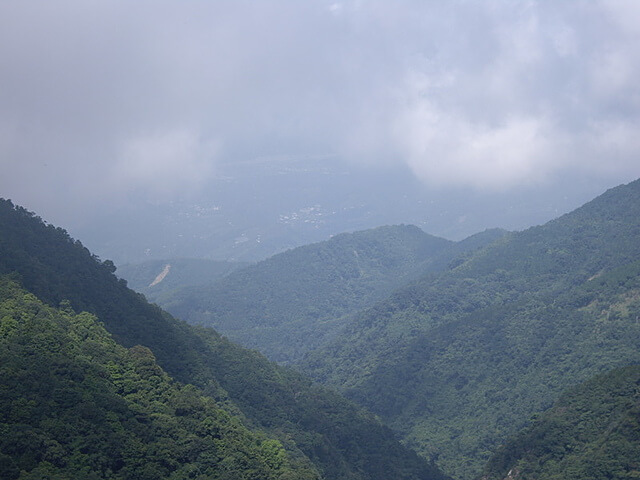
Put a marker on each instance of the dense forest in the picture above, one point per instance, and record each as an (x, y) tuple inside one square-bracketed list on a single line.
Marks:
[(591, 433), (322, 433), (459, 361), (74, 404)]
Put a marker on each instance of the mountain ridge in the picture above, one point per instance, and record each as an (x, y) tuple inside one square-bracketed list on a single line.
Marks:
[(297, 300)]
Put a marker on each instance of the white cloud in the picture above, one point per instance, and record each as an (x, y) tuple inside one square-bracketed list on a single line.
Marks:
[(474, 155), (515, 99), (175, 159), (490, 95), (335, 8)]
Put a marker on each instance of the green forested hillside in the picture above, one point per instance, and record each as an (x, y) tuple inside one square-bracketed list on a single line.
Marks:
[(460, 360), (74, 404), (341, 440), (591, 433), (293, 302), (158, 278)]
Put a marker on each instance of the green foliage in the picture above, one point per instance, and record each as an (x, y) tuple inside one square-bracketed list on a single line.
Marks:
[(292, 302), (345, 441), (591, 433), (295, 301), (460, 360), (319, 430), (74, 404)]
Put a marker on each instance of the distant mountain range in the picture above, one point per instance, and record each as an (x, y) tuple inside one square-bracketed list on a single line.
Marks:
[(260, 207), (296, 301), (158, 278)]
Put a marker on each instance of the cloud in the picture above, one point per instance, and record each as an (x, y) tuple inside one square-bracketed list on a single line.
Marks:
[(512, 93), (480, 156), (149, 96), (173, 159)]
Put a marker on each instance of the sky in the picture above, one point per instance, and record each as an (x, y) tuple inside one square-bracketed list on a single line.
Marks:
[(102, 100)]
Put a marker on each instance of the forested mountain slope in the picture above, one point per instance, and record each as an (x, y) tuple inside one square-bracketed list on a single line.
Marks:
[(460, 360), (295, 301), (157, 278), (341, 440), (591, 433), (74, 404)]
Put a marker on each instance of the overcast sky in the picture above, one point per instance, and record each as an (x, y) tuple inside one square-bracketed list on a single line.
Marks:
[(101, 98)]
